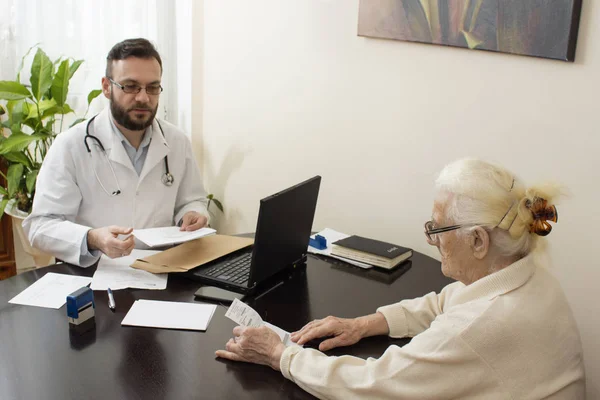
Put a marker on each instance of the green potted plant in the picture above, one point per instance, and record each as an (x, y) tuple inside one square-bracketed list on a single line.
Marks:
[(31, 116), (212, 199)]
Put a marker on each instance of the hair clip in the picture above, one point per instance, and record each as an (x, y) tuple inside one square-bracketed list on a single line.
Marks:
[(542, 213)]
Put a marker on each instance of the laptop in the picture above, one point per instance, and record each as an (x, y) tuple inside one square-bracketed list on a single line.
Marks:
[(283, 229)]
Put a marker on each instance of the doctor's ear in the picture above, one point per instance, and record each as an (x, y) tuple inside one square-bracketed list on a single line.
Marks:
[(106, 87)]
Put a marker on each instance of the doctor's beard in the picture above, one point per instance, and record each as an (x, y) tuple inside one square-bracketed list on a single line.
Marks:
[(121, 115)]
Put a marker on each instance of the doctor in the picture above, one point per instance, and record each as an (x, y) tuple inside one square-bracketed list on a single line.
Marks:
[(120, 170)]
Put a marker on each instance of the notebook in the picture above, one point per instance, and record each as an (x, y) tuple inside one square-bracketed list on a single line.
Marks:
[(371, 251), (282, 232)]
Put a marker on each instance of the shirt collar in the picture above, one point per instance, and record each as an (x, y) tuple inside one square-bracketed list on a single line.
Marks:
[(498, 283), (145, 140)]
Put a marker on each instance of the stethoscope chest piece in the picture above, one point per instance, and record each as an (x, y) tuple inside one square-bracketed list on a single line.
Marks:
[(167, 179)]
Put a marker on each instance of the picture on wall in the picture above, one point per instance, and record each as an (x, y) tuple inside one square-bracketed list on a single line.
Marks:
[(539, 28)]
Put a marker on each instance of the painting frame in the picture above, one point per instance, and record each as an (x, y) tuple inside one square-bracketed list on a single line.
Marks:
[(537, 28)]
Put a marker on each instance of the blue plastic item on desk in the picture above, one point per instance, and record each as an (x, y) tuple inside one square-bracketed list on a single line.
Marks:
[(319, 242), (80, 305)]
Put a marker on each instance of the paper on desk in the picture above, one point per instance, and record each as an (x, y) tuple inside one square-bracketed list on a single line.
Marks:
[(333, 236), (242, 314), (189, 255), (169, 235), (116, 273), (51, 290), (170, 315)]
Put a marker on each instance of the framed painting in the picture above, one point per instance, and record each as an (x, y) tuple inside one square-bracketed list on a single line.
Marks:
[(539, 28)]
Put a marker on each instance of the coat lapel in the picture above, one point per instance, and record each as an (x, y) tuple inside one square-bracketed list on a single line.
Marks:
[(157, 151), (111, 142)]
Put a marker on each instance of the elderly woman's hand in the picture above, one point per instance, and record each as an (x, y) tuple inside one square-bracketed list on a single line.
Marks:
[(254, 345), (345, 332)]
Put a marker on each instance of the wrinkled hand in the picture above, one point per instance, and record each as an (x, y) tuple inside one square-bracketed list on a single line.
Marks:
[(345, 332), (254, 345), (192, 221), (106, 240)]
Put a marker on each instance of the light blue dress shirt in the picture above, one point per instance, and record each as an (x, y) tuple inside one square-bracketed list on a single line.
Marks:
[(137, 157)]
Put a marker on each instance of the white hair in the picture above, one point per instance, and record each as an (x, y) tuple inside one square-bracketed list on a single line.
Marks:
[(487, 195)]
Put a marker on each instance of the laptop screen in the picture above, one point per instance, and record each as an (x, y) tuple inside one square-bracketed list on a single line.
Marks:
[(283, 228)]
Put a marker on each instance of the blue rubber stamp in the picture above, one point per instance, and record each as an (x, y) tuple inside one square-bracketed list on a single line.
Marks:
[(81, 309)]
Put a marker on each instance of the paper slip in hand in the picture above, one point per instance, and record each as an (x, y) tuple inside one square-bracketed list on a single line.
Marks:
[(170, 314), (333, 236), (116, 273), (51, 290), (244, 315), (154, 237)]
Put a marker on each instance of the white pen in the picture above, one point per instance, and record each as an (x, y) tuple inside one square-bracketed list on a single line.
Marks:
[(111, 299)]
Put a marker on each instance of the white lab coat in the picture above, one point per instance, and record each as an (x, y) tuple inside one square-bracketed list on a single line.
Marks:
[(69, 201)]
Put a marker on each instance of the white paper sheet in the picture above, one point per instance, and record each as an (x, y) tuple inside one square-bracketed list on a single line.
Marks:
[(244, 315), (331, 237), (116, 273), (154, 237), (51, 290), (169, 314)]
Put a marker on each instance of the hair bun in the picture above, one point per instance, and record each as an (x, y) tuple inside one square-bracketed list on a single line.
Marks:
[(542, 212)]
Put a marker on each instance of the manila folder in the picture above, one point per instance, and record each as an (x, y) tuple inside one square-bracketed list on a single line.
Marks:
[(191, 254)]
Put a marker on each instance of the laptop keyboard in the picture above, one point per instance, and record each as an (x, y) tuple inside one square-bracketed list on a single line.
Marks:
[(236, 270)]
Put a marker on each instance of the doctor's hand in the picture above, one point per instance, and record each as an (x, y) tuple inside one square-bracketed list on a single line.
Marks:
[(254, 345), (106, 240), (192, 221)]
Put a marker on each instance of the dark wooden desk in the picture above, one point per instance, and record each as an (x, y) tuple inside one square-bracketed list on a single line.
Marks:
[(39, 359)]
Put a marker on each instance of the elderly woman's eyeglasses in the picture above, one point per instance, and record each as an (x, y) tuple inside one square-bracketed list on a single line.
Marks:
[(152, 90), (431, 232)]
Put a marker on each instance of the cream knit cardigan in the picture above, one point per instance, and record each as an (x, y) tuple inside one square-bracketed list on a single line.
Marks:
[(510, 335)]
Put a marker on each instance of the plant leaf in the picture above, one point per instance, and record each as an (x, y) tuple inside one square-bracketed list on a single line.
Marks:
[(18, 142), (219, 205), (74, 67), (77, 121), (14, 175), (3, 206), (3, 191), (23, 62), (65, 109), (17, 157), (41, 74), (92, 95), (44, 106), (210, 196), (16, 113), (10, 90), (60, 83), (30, 180)]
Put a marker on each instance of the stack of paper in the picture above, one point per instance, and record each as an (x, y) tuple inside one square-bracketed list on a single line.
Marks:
[(241, 313), (333, 236), (169, 235), (170, 315), (116, 273), (51, 290)]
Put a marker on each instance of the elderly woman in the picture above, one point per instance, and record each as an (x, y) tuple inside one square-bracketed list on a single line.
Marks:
[(504, 330)]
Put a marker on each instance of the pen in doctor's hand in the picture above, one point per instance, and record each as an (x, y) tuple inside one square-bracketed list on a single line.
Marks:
[(111, 299)]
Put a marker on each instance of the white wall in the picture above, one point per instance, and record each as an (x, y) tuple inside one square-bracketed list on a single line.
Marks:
[(289, 91)]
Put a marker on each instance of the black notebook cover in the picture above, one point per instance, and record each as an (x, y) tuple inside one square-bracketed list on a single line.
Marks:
[(372, 246)]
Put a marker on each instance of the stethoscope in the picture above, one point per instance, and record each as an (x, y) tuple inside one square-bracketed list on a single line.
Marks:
[(167, 178)]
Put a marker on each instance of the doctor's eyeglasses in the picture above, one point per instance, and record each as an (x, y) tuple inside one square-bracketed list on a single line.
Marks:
[(152, 90)]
